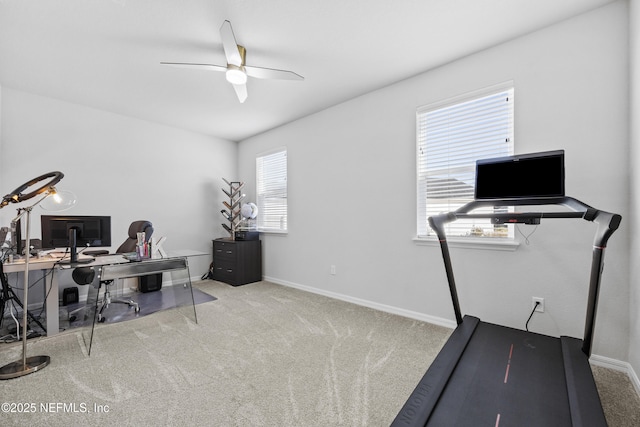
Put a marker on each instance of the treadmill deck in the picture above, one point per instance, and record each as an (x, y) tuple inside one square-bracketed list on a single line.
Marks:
[(506, 377), (492, 375)]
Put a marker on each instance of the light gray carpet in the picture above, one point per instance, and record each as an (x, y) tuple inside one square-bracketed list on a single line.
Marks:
[(261, 355)]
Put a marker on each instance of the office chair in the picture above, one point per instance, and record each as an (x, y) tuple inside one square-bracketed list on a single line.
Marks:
[(129, 245), (136, 227), (82, 276), (151, 282), (85, 275)]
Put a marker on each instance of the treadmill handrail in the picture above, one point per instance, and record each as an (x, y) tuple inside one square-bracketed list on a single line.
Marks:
[(570, 202), (607, 224)]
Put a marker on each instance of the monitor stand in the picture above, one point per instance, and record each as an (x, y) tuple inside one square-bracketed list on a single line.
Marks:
[(74, 250)]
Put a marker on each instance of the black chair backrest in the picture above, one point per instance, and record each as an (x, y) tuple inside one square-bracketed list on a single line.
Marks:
[(136, 227)]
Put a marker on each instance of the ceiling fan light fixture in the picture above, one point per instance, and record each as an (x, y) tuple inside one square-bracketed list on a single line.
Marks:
[(236, 70), (236, 75)]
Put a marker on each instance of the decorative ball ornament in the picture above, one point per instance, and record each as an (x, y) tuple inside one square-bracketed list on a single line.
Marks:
[(249, 210)]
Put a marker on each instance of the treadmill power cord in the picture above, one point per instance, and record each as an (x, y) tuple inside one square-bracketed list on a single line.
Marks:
[(526, 326), (526, 237)]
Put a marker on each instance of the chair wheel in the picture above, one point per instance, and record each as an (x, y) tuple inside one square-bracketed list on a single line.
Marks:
[(102, 319)]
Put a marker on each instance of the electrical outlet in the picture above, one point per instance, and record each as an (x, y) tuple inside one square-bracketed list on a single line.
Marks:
[(333, 270), (540, 307)]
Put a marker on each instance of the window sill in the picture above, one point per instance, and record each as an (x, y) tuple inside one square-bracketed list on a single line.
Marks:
[(274, 232), (471, 243)]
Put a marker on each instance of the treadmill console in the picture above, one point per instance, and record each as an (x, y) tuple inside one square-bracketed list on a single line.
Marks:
[(529, 176), (529, 220)]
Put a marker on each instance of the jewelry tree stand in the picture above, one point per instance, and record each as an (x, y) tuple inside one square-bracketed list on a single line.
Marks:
[(232, 213)]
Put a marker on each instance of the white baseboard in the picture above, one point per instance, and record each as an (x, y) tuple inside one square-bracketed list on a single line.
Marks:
[(451, 324), (617, 365), (606, 362)]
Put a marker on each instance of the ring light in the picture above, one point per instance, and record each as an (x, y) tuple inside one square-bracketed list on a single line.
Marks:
[(34, 363), (16, 196)]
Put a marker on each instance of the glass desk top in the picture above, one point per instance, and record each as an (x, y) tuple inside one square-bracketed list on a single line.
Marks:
[(105, 303)]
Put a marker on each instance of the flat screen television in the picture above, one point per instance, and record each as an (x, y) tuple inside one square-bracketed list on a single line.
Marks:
[(72, 231), (530, 176)]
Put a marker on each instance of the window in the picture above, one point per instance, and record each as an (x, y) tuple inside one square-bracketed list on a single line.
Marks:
[(451, 136), (271, 188)]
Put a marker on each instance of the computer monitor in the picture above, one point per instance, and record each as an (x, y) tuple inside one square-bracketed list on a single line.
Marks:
[(16, 236), (73, 231), (530, 176)]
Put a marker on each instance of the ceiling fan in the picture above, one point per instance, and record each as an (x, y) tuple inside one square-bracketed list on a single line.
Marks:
[(236, 70)]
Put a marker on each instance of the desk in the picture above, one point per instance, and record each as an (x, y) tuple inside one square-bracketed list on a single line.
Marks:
[(180, 288), (47, 263), (51, 303)]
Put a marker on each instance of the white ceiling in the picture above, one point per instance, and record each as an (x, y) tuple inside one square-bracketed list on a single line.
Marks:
[(106, 53)]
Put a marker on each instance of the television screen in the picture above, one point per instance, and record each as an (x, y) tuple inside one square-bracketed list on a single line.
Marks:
[(536, 175)]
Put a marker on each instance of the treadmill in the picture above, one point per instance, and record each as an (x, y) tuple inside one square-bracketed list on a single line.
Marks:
[(493, 375)]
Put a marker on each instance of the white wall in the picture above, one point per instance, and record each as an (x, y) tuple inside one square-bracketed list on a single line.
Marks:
[(634, 300), (127, 168), (1, 183), (352, 188)]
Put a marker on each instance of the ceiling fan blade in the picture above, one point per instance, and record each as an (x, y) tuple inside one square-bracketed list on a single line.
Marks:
[(229, 44), (241, 92), (272, 73), (206, 67)]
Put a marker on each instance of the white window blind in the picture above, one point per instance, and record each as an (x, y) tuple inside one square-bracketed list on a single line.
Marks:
[(271, 188), (451, 136)]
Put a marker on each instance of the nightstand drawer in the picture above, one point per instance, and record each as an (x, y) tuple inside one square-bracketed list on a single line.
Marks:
[(225, 271), (224, 251)]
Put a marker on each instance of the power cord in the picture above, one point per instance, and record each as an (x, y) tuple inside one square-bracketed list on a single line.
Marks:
[(34, 317), (526, 326), (16, 322), (526, 237), (64, 256), (44, 303)]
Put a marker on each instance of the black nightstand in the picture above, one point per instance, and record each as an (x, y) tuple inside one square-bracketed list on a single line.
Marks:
[(237, 262)]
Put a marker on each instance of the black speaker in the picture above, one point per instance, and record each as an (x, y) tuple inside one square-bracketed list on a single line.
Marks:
[(69, 295), (150, 283), (246, 235)]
